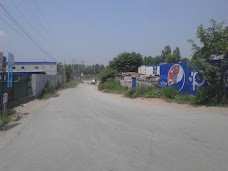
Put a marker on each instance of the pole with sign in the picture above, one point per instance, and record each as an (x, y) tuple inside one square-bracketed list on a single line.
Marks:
[(10, 70)]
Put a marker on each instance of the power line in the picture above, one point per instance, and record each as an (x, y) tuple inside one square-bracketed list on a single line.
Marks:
[(25, 32), (28, 21), (35, 2), (12, 27)]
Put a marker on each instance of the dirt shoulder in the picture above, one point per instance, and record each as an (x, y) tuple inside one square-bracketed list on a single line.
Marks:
[(162, 103)]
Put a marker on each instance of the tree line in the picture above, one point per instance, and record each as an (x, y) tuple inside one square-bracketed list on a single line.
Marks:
[(76, 70), (210, 59)]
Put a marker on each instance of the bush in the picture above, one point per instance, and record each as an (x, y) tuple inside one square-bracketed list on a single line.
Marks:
[(107, 73), (111, 86), (147, 92), (5, 117), (130, 92), (48, 91), (70, 84), (169, 92), (185, 98)]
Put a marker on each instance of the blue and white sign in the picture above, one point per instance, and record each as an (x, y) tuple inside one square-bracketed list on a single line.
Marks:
[(180, 76), (10, 70)]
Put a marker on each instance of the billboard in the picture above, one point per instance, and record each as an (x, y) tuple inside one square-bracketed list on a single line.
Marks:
[(180, 76)]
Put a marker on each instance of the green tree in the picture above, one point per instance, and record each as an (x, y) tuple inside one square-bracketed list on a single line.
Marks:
[(107, 73), (126, 62), (214, 46), (185, 60), (166, 53), (148, 60), (177, 55)]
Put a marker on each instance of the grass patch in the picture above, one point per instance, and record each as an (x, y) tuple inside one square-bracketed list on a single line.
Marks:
[(5, 117), (49, 91), (111, 86), (70, 84), (169, 94)]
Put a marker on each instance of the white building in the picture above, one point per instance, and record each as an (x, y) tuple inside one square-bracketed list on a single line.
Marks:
[(149, 71), (142, 70), (50, 68)]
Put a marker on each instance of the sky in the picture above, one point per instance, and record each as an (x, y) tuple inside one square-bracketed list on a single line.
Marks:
[(96, 31)]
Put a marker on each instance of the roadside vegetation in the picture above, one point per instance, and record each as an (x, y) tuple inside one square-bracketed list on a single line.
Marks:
[(49, 91), (5, 117), (210, 60), (168, 94)]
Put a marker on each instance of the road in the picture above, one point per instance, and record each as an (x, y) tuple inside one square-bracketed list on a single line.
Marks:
[(86, 130)]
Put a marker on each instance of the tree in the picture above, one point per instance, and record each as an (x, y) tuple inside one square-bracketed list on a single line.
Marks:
[(126, 62), (212, 55), (185, 60), (107, 73), (148, 60), (169, 57), (177, 55), (166, 53)]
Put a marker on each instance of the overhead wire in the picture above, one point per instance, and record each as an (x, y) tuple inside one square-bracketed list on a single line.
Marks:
[(28, 21), (58, 43), (26, 32), (12, 27)]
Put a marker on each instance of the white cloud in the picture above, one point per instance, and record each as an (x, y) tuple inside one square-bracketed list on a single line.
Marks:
[(2, 33)]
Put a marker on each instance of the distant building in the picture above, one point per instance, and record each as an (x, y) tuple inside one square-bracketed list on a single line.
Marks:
[(149, 70), (50, 68)]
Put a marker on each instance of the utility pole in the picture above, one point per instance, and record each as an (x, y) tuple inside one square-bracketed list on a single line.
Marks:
[(81, 70), (74, 59)]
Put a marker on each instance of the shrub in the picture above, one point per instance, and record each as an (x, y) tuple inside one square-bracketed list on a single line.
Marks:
[(185, 98), (107, 73), (48, 91), (5, 116), (111, 86), (129, 93), (147, 92), (169, 92)]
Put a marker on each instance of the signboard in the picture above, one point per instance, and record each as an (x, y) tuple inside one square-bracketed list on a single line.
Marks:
[(173, 75), (10, 60), (10, 70), (181, 77)]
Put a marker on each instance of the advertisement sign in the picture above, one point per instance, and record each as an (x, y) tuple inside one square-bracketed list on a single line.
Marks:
[(173, 75), (181, 77), (10, 70)]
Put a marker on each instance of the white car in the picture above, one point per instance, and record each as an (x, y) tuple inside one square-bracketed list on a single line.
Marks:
[(93, 82)]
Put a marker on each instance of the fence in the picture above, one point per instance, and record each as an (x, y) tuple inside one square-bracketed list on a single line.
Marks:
[(39, 81)]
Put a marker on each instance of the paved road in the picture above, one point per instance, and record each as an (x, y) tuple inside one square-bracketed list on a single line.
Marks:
[(85, 130)]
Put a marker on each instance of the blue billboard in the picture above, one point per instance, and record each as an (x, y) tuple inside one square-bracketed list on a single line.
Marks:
[(180, 76)]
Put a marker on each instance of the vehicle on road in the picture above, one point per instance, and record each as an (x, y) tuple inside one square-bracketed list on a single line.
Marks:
[(93, 82)]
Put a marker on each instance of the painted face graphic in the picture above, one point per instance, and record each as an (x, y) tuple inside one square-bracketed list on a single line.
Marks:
[(175, 74)]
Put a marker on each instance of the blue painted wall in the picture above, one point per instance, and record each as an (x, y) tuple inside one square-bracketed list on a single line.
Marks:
[(181, 76)]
